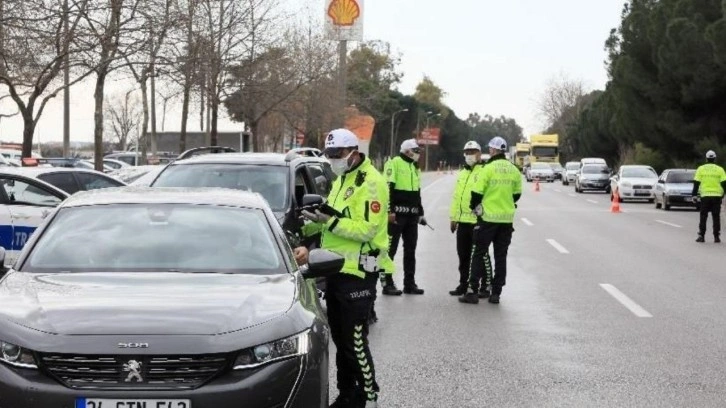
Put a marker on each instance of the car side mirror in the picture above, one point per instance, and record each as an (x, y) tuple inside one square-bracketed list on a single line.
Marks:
[(321, 264), (312, 199), (661, 181)]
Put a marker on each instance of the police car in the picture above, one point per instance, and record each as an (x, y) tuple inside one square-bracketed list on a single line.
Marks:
[(30, 193)]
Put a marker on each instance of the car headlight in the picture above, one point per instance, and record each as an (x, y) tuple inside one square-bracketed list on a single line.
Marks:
[(16, 356), (277, 350), (626, 185)]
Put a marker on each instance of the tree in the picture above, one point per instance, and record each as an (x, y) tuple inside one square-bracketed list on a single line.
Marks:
[(33, 46), (110, 27), (124, 117)]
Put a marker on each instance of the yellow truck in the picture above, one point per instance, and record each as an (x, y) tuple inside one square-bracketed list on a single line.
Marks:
[(520, 154), (544, 148)]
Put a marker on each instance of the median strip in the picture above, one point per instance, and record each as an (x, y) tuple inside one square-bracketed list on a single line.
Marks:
[(625, 300)]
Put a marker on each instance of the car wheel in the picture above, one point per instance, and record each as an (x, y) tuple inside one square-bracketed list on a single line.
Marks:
[(666, 206)]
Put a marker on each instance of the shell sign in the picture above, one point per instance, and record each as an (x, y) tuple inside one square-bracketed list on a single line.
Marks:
[(344, 19)]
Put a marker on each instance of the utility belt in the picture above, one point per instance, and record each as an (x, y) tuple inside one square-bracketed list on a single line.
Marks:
[(406, 210)]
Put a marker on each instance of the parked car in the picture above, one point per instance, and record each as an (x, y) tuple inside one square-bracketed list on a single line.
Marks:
[(540, 171), (570, 173), (635, 182), (675, 189), (558, 169), (163, 297), (130, 174), (70, 180), (593, 177), (24, 202)]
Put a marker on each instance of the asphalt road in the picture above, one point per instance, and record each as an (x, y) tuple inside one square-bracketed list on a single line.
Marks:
[(600, 310)]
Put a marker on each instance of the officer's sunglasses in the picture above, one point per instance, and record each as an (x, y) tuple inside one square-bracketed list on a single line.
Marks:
[(335, 152), (416, 150)]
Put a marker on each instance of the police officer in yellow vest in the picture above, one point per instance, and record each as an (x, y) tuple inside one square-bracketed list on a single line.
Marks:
[(463, 219), (493, 201), (360, 235), (709, 184), (405, 213)]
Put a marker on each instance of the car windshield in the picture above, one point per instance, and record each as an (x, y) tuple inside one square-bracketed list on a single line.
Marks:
[(596, 169), (639, 172), (573, 166), (270, 181), (157, 238), (680, 177)]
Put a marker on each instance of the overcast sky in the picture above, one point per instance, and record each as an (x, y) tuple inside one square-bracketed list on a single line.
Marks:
[(490, 57)]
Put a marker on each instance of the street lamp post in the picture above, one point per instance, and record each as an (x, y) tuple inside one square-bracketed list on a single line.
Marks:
[(393, 122)]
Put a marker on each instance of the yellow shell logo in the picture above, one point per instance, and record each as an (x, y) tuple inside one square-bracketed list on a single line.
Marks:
[(344, 12)]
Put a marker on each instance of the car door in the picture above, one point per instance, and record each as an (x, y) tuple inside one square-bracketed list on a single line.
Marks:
[(29, 202), (94, 181)]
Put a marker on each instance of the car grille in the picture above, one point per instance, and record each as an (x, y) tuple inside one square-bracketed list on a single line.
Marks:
[(167, 372), (642, 187)]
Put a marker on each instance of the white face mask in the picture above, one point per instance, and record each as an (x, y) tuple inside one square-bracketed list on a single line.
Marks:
[(340, 166), (470, 159), (416, 156)]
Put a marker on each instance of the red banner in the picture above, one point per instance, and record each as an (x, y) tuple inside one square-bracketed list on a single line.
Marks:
[(430, 136)]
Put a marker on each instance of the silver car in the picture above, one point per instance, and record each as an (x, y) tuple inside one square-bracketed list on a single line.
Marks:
[(635, 182), (540, 171), (570, 173)]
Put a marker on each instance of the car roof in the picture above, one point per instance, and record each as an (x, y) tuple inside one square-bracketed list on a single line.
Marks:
[(636, 166), (683, 170), (273, 159), (37, 171), (166, 195)]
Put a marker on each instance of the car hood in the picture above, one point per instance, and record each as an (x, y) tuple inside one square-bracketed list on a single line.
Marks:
[(639, 180), (596, 176), (148, 303)]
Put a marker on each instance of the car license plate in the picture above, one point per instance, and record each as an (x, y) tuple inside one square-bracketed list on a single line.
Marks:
[(131, 403), (642, 193)]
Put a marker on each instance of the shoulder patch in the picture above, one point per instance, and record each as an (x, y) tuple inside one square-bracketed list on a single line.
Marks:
[(376, 207)]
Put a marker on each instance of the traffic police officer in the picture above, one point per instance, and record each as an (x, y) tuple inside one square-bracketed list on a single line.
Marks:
[(359, 234), (493, 201), (405, 213), (709, 184), (463, 219)]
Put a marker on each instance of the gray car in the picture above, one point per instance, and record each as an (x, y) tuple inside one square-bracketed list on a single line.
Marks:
[(173, 298), (593, 177), (675, 189)]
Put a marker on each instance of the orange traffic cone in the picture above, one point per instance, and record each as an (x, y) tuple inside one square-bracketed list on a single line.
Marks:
[(615, 205), (536, 185)]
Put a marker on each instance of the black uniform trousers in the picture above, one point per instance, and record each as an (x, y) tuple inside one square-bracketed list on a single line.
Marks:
[(710, 205), (406, 226), (349, 300), (485, 234), (465, 248)]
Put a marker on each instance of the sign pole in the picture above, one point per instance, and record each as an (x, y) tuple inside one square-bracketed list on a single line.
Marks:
[(343, 78)]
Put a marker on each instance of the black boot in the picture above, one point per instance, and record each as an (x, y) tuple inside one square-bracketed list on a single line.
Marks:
[(717, 239), (494, 299), (343, 401), (413, 290), (469, 297), (700, 239), (460, 290), (390, 289), (484, 293), (496, 292)]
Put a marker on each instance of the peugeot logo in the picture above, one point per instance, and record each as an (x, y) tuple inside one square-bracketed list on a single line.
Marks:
[(133, 367)]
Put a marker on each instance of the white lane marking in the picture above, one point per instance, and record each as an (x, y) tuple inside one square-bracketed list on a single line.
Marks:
[(527, 222), (572, 195), (592, 201), (557, 246), (670, 224), (433, 184), (625, 301)]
